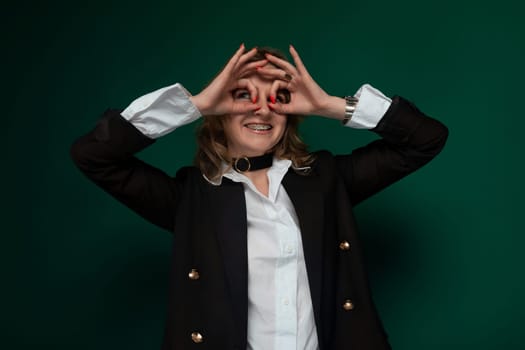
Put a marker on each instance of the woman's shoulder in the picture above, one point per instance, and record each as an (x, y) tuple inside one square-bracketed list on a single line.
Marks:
[(322, 158), (323, 154), (188, 174), (323, 162), (192, 176)]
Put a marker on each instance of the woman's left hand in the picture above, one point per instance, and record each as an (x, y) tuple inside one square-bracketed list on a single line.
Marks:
[(307, 97)]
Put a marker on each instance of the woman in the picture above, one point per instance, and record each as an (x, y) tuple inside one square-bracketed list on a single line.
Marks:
[(265, 247)]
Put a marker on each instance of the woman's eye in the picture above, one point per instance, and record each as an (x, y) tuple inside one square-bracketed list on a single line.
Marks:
[(283, 96), (241, 95)]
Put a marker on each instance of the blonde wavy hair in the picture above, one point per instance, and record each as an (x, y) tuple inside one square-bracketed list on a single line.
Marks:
[(212, 144)]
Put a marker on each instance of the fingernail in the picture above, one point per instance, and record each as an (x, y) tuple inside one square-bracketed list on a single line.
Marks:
[(270, 107), (256, 109), (254, 99), (242, 45), (272, 98)]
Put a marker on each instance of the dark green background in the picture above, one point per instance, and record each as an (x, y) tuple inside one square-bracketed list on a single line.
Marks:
[(444, 246)]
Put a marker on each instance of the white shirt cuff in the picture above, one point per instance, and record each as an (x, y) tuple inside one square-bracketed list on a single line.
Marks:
[(370, 109), (162, 111)]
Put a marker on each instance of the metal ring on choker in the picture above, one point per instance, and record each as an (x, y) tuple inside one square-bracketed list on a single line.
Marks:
[(245, 164)]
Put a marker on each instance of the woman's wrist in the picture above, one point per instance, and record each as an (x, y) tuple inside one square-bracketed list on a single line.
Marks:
[(334, 108), (198, 102)]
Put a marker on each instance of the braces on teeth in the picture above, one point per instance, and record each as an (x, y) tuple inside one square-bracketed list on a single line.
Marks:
[(260, 127)]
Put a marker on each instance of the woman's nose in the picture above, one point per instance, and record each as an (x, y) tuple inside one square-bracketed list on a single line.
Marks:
[(263, 108)]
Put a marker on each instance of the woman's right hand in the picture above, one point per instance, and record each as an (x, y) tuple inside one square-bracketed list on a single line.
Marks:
[(217, 99)]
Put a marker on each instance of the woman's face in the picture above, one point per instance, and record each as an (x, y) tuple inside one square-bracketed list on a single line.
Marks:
[(256, 133)]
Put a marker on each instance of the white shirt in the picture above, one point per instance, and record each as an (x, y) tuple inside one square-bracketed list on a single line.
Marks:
[(280, 311), (279, 302)]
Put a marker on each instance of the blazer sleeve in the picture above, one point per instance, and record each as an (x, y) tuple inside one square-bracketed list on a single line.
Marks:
[(409, 140), (106, 156)]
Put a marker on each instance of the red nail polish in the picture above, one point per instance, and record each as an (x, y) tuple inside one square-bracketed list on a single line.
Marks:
[(254, 99), (272, 98)]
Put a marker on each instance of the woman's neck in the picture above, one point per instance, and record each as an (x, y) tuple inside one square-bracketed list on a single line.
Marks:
[(259, 178)]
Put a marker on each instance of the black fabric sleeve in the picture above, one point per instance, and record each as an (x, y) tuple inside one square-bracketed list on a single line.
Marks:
[(106, 156), (409, 140)]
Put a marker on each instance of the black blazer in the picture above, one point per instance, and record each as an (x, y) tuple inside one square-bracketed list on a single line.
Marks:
[(209, 227)]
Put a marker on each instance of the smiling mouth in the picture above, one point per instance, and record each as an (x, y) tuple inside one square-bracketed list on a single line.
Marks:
[(259, 127)]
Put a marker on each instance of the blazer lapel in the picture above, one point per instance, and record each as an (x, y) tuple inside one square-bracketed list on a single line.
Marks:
[(229, 219), (309, 206)]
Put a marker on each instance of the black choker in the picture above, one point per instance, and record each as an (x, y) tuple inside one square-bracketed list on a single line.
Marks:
[(245, 164)]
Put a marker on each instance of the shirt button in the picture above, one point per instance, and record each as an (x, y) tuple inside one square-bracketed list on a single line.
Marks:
[(286, 301), (348, 305), (289, 249), (194, 274), (196, 337), (344, 245)]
